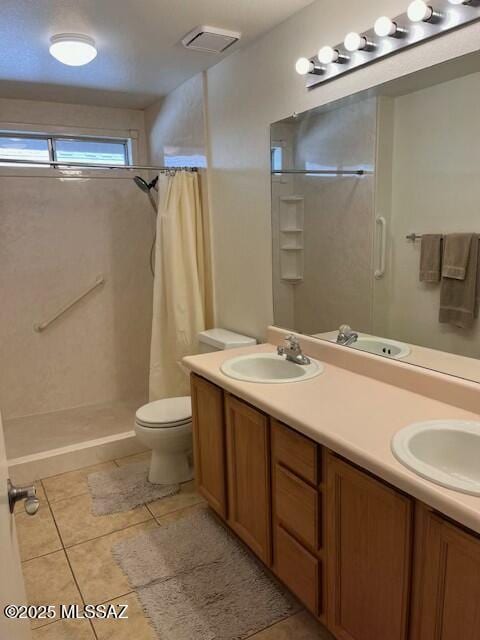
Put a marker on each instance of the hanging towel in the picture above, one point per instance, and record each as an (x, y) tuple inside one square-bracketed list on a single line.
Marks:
[(431, 258), (455, 255), (459, 298)]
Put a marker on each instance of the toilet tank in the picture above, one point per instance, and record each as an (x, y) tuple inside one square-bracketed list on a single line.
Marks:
[(220, 339)]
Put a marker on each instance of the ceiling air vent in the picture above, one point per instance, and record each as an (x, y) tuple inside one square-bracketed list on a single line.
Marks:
[(210, 39)]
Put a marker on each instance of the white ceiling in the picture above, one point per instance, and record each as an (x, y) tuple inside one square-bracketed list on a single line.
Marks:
[(140, 55)]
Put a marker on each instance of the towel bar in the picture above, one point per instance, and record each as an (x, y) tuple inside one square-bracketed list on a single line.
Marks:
[(414, 236)]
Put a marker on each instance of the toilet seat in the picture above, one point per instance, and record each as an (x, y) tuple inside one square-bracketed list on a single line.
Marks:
[(164, 414), (162, 425)]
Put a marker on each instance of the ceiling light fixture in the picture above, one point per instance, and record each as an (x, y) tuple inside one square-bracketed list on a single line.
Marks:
[(73, 49), (457, 2)]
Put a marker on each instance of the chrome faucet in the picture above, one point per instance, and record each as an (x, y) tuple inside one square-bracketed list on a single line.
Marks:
[(293, 351), (346, 336)]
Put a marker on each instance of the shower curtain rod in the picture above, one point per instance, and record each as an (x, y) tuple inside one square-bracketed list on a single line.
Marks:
[(328, 172), (83, 165)]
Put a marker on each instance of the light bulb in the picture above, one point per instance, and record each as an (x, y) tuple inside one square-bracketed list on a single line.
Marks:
[(419, 11), (456, 2), (304, 66), (354, 42), (327, 54), (384, 27), (73, 49)]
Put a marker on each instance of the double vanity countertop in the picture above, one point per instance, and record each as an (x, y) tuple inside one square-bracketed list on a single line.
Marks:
[(355, 407)]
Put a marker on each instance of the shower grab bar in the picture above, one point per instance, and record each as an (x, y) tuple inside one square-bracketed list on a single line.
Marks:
[(43, 325), (380, 272)]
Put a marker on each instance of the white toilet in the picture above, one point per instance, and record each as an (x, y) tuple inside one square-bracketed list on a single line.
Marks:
[(165, 426)]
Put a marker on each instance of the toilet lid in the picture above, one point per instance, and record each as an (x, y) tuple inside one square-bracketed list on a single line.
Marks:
[(168, 412)]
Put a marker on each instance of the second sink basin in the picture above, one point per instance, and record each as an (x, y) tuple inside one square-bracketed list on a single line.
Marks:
[(446, 452), (382, 347), (269, 368)]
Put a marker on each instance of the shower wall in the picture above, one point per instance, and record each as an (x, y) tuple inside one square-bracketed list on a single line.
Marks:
[(337, 219), (56, 236)]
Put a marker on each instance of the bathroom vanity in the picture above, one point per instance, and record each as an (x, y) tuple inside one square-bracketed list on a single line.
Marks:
[(365, 556)]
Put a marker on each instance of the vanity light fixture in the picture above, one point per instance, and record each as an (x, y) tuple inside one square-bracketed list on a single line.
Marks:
[(388, 36), (73, 49), (327, 55), (385, 27), (355, 42), (420, 11), (303, 66)]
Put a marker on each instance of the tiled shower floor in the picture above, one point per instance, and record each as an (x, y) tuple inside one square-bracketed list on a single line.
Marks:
[(66, 558), (46, 431)]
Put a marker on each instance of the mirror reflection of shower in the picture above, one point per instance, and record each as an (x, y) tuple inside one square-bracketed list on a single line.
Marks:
[(147, 187)]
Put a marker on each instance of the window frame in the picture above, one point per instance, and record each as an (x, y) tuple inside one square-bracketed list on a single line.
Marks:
[(51, 139)]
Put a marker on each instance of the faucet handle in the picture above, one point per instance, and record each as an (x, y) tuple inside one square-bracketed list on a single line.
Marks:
[(346, 329), (292, 340)]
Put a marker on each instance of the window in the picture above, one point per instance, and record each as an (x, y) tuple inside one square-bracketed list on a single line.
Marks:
[(194, 160), (23, 148), (81, 150), (277, 158)]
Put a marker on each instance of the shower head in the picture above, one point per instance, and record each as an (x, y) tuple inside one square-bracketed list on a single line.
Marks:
[(144, 185)]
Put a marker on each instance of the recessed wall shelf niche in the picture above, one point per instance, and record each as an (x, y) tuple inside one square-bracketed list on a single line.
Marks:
[(291, 238)]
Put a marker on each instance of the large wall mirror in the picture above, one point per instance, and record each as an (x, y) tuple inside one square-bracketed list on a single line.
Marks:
[(376, 219)]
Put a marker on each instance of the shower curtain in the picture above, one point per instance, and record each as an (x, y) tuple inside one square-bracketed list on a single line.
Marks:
[(182, 295)]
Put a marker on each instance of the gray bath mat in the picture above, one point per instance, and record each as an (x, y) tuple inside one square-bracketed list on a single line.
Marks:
[(125, 488), (196, 582)]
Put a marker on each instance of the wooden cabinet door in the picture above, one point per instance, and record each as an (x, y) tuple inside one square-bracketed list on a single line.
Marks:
[(446, 603), (248, 463), (209, 443), (369, 540)]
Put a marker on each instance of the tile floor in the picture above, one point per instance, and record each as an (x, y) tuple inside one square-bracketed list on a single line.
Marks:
[(66, 556)]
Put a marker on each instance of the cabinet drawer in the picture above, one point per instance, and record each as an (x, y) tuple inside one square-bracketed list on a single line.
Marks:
[(296, 506), (295, 452), (297, 569)]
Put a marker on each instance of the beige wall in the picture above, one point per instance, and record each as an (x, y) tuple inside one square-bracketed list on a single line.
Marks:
[(175, 126), (56, 236), (255, 87), (435, 190)]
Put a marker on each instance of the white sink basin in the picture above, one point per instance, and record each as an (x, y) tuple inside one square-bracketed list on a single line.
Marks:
[(446, 452), (269, 368), (382, 347)]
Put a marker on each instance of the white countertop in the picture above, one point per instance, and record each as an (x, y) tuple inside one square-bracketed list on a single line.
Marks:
[(355, 416)]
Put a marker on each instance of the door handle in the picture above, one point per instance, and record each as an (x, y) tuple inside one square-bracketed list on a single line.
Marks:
[(29, 494), (380, 272)]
